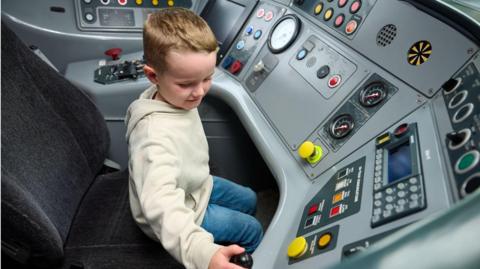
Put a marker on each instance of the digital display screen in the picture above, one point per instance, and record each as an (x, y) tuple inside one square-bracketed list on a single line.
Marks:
[(116, 17), (222, 17), (399, 162)]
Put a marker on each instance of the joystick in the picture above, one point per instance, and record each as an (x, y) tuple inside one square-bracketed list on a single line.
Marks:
[(244, 260)]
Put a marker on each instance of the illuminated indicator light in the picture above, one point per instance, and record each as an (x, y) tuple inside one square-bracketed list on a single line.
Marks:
[(355, 7), (122, 2), (269, 16), (138, 2), (466, 161), (338, 197), (328, 14), (339, 20), (336, 210), (260, 13), (351, 27), (342, 3), (318, 9), (313, 209), (382, 139), (297, 247), (341, 184), (401, 129), (170, 3), (324, 240), (155, 2), (334, 81)]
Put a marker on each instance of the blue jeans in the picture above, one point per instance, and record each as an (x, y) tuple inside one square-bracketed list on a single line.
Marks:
[(229, 215)]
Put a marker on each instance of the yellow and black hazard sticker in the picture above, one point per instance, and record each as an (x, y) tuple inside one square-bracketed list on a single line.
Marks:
[(419, 52)]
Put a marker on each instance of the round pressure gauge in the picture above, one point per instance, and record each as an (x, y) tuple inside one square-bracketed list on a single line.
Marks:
[(341, 126), (283, 33), (373, 94)]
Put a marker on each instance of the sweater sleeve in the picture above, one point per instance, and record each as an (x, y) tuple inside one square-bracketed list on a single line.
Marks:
[(163, 205)]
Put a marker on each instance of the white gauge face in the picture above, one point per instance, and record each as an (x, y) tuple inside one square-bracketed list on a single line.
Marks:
[(283, 34)]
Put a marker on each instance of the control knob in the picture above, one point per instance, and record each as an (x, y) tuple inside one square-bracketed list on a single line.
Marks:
[(243, 260)]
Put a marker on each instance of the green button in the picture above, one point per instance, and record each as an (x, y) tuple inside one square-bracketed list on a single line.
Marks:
[(466, 161)]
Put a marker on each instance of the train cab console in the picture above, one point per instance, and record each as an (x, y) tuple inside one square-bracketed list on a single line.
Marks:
[(366, 112)]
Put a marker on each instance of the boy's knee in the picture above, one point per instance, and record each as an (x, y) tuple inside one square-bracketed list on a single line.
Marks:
[(251, 201)]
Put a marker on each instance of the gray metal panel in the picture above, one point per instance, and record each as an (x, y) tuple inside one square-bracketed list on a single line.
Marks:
[(291, 103), (450, 49)]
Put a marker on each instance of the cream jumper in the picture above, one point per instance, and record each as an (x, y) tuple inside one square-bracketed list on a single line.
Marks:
[(170, 181)]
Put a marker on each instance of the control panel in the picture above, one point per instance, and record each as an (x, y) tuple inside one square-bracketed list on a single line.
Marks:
[(119, 15), (398, 188), (339, 198), (343, 16), (250, 39), (127, 70), (462, 100)]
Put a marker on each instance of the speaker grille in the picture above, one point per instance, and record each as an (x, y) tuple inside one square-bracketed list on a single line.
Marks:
[(386, 35)]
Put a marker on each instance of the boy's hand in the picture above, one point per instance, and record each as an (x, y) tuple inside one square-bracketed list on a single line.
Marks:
[(221, 258)]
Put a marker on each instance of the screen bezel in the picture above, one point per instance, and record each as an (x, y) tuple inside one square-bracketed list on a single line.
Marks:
[(248, 6), (411, 139)]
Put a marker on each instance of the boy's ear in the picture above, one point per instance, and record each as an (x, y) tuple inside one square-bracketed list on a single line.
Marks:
[(150, 74)]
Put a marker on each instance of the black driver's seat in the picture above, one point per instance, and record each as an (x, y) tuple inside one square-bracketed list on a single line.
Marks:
[(59, 208)]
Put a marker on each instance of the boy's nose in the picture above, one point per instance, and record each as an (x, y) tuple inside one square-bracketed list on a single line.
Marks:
[(198, 91)]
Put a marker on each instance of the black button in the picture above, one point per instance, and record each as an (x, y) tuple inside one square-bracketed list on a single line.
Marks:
[(323, 71)]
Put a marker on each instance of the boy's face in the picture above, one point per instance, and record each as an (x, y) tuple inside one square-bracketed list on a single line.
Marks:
[(187, 78)]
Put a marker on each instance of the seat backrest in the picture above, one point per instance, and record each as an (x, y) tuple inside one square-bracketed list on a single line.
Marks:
[(54, 142)]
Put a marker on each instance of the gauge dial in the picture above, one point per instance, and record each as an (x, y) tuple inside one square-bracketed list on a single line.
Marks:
[(373, 94), (283, 33), (341, 126)]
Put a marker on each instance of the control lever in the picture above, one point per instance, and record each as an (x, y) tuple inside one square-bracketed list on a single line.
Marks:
[(456, 138), (244, 260)]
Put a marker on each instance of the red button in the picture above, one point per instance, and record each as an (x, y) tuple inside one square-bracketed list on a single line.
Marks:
[(313, 209), (335, 211), (122, 2), (342, 3), (339, 20), (334, 81), (260, 13), (235, 67), (401, 129), (351, 27), (355, 7), (269, 16)]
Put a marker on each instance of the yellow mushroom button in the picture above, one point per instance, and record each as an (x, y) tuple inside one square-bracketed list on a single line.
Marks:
[(155, 2), (297, 247), (318, 8), (170, 3), (310, 152), (324, 240), (139, 2)]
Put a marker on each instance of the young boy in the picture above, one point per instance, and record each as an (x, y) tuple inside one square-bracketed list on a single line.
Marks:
[(173, 197)]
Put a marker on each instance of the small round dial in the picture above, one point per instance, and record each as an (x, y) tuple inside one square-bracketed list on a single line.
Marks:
[(283, 33), (373, 94), (341, 126)]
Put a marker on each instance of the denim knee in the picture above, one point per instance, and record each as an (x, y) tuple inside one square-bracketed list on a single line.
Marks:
[(255, 235), (250, 201)]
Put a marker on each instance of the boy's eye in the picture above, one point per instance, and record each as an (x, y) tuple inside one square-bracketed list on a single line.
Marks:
[(184, 85)]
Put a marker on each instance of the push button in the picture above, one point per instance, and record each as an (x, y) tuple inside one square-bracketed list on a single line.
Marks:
[(324, 240), (227, 62), (339, 20), (260, 13), (467, 161), (249, 30), (351, 27), (328, 14), (323, 71), (318, 8), (310, 152), (301, 54), (297, 247), (355, 7), (235, 67), (334, 81), (257, 34), (342, 3)]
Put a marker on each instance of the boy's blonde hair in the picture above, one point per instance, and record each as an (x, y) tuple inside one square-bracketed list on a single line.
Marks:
[(175, 29)]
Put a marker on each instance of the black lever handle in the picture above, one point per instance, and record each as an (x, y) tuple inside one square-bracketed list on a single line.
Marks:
[(244, 260)]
